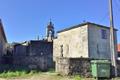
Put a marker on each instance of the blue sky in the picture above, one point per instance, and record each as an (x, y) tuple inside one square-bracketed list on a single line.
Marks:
[(26, 19)]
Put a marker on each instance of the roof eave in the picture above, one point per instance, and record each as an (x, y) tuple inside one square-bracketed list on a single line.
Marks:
[(79, 25)]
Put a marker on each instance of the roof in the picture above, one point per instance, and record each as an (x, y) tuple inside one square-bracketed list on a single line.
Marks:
[(30, 41), (19, 43), (2, 30), (41, 41), (118, 47), (82, 24)]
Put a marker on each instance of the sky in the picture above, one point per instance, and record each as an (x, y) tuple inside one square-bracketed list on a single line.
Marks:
[(26, 19)]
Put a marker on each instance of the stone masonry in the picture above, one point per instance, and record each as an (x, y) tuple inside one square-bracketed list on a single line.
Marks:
[(73, 66), (34, 54), (74, 47), (87, 40)]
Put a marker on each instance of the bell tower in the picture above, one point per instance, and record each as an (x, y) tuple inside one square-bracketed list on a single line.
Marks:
[(50, 32)]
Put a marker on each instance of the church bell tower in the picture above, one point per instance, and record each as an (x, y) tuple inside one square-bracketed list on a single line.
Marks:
[(50, 32)]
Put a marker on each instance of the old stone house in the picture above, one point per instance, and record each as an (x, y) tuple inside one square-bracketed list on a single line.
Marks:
[(86, 40), (3, 44), (3, 40), (34, 54), (80, 44)]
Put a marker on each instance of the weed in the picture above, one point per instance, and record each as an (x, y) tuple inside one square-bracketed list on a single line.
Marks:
[(77, 77), (9, 74)]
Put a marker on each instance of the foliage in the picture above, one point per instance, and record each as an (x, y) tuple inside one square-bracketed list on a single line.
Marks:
[(9, 74), (77, 77)]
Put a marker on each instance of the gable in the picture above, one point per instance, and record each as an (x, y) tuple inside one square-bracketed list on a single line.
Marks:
[(2, 32)]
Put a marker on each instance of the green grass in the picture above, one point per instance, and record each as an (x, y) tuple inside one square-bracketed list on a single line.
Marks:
[(49, 75), (10, 74), (77, 77), (21, 73)]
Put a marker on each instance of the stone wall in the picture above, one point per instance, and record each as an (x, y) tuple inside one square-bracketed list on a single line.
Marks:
[(42, 63), (3, 40), (99, 42), (32, 62), (73, 66), (118, 67), (35, 54), (83, 41), (20, 50), (72, 43)]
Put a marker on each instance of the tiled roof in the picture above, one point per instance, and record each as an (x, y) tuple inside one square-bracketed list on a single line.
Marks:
[(118, 47)]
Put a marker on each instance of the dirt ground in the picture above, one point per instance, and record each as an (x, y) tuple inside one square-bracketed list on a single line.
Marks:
[(41, 76)]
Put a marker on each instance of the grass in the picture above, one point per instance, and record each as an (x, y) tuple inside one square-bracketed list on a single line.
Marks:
[(10, 74), (77, 77), (51, 70), (36, 75), (23, 73)]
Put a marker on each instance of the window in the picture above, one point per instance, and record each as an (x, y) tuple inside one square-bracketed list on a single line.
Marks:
[(104, 34), (67, 48), (61, 46)]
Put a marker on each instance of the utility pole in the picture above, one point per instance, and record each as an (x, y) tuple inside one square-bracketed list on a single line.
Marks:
[(112, 40)]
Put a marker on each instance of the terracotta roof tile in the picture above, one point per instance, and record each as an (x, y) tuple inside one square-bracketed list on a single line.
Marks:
[(118, 47)]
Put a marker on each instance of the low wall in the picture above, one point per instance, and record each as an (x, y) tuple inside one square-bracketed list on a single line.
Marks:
[(33, 62), (118, 67), (42, 63), (73, 66)]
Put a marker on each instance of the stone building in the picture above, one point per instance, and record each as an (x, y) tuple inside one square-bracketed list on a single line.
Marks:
[(20, 49), (3, 45), (85, 42), (35, 54), (3, 40)]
